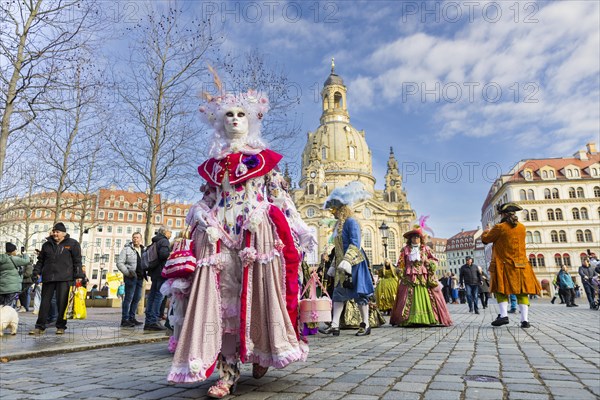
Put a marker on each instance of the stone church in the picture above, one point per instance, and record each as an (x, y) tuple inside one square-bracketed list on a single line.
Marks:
[(335, 154)]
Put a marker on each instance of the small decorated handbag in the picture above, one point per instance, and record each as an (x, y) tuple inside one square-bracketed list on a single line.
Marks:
[(182, 261), (315, 309)]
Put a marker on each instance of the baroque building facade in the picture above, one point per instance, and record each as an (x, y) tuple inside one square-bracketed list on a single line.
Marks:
[(103, 222), (561, 209), (337, 153)]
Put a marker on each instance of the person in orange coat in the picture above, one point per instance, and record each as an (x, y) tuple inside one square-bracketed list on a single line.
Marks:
[(510, 271)]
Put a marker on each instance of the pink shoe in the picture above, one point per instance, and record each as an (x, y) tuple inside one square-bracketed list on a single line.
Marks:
[(220, 390)]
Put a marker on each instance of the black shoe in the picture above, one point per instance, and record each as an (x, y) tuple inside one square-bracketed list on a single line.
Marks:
[(136, 322), (570, 305), (574, 305), (154, 327), (476, 311), (125, 323), (553, 300), (363, 330), (525, 324), (330, 330), (512, 311), (500, 321)]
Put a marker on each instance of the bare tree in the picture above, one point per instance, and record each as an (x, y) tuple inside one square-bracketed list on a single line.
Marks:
[(281, 126), (68, 135), (35, 38), (157, 136)]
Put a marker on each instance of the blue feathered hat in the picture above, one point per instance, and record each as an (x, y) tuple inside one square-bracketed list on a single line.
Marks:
[(347, 195)]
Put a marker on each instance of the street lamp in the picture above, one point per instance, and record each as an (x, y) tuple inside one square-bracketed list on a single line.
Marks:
[(383, 230), (101, 273)]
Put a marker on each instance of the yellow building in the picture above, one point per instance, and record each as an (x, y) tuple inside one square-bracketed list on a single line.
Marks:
[(335, 154)]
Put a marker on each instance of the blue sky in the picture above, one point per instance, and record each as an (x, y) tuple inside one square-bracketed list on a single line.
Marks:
[(461, 90)]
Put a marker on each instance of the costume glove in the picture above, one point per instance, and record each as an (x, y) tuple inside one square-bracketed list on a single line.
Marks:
[(345, 266), (331, 271)]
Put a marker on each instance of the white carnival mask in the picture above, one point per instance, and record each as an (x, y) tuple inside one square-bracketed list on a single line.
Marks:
[(235, 123)]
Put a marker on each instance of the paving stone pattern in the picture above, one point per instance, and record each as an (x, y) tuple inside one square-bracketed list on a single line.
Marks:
[(558, 358)]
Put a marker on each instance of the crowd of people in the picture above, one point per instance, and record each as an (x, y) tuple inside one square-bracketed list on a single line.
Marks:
[(247, 243)]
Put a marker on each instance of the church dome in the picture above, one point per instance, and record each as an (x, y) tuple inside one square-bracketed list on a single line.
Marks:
[(334, 79)]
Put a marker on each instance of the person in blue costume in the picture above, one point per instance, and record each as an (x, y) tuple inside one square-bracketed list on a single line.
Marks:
[(350, 267)]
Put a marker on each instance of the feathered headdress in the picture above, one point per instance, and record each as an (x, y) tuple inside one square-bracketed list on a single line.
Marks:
[(418, 227), (254, 103), (347, 195)]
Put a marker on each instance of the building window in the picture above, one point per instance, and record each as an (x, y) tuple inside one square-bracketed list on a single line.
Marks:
[(310, 189), (129, 230), (528, 175), (572, 194), (550, 215), (129, 216), (118, 243), (558, 260), (324, 153), (392, 246), (575, 212), (530, 194), (352, 152), (580, 194), (537, 237), (178, 222), (584, 213), (579, 235), (555, 194), (541, 262), (119, 229), (117, 204), (121, 216), (554, 237), (547, 194), (101, 214), (368, 244), (169, 211), (588, 236), (107, 243), (566, 260), (559, 214), (94, 274), (106, 203), (169, 222), (533, 215), (99, 228), (522, 194), (111, 215), (583, 256), (545, 174), (178, 211), (140, 216), (528, 237), (596, 191), (98, 242), (576, 173), (569, 173), (96, 257), (525, 215), (109, 229), (532, 260), (562, 236), (157, 219)]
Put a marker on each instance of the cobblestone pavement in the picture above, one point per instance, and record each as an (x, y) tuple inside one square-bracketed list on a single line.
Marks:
[(557, 358)]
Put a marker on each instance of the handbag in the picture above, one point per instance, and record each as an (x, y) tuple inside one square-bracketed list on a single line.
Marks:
[(69, 313), (313, 308), (79, 310), (182, 261)]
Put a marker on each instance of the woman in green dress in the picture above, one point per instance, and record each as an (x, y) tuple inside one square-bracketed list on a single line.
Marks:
[(419, 301)]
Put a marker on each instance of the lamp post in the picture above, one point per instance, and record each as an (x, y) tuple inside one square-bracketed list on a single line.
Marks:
[(101, 273), (383, 230)]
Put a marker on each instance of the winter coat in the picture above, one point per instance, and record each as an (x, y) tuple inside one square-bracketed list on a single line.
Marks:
[(129, 261), (587, 274), (564, 280), (163, 251), (485, 284), (59, 262), (469, 275), (11, 268), (510, 271)]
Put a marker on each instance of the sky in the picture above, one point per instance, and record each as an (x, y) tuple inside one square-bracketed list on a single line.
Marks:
[(461, 90)]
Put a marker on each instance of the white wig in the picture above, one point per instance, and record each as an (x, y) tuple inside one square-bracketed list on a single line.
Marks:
[(347, 195)]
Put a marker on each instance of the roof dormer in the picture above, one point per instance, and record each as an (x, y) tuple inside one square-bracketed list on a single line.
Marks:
[(593, 170), (527, 173), (571, 171), (547, 172)]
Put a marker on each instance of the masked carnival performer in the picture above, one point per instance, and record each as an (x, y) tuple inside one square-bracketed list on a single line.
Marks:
[(353, 280), (387, 286), (510, 271), (248, 240), (420, 301)]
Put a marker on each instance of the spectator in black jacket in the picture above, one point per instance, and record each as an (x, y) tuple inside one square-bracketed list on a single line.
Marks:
[(59, 264), (155, 296), (470, 279)]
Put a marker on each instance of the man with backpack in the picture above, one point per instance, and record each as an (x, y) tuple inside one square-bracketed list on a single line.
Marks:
[(155, 257)]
